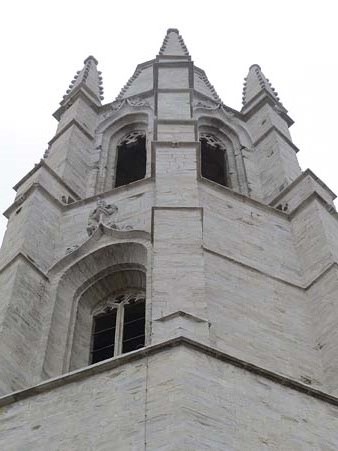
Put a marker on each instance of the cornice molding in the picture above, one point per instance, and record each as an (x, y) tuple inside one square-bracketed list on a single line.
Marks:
[(120, 189), (273, 128), (151, 350), (270, 276), (262, 98), (21, 256), (252, 268), (43, 164), (67, 126), (242, 197), (302, 176), (181, 313), (35, 186), (81, 90)]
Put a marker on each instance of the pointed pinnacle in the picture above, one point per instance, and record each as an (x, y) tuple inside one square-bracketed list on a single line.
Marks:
[(173, 44), (91, 58), (89, 77), (256, 82)]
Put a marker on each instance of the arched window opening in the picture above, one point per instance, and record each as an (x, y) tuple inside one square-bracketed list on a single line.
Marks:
[(103, 336), (131, 158), (213, 159), (119, 327)]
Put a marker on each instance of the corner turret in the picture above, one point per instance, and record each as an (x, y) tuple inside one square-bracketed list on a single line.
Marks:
[(257, 89), (88, 80)]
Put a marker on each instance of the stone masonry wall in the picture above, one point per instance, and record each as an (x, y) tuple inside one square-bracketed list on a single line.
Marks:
[(176, 399)]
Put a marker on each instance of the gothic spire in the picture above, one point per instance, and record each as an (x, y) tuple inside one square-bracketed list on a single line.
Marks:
[(255, 83), (173, 44), (89, 78)]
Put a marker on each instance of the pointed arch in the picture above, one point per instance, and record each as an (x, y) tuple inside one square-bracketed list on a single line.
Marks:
[(214, 161), (231, 140), (131, 158), (108, 267), (116, 149)]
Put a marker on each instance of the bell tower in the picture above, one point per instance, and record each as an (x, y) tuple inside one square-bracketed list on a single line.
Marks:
[(168, 277)]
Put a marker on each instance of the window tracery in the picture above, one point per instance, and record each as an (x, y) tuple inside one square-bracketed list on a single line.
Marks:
[(131, 158), (213, 159), (118, 325)]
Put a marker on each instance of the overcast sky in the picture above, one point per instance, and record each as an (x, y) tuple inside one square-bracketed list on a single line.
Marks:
[(43, 44)]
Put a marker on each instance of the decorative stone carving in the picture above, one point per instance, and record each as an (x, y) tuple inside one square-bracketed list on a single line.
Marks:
[(133, 137), (119, 299), (205, 104), (47, 152), (212, 141), (122, 227), (212, 106), (133, 102), (71, 249), (101, 215), (117, 105), (137, 101)]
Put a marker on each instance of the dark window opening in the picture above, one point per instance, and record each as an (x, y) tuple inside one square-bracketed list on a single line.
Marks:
[(131, 159), (213, 161), (103, 336), (134, 326)]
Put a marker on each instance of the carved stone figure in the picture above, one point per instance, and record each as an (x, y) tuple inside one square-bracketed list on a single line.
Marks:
[(101, 215)]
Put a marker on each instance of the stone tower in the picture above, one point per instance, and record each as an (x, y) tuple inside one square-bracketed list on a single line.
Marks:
[(169, 276)]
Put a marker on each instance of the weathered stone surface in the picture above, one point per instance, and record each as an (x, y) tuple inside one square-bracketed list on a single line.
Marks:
[(240, 280), (177, 399)]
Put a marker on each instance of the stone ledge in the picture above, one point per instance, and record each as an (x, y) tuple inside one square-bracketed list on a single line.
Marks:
[(69, 125), (259, 100), (182, 62), (43, 164), (265, 274), (170, 57), (119, 189), (27, 259), (35, 186), (275, 129), (302, 176), (154, 349), (79, 201), (252, 268), (82, 90), (181, 313), (242, 197), (308, 199)]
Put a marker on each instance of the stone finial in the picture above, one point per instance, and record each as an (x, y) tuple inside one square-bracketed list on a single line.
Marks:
[(173, 30), (91, 58), (173, 44), (256, 82), (90, 77)]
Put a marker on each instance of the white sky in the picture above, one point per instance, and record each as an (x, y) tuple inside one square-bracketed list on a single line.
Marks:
[(43, 44)]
